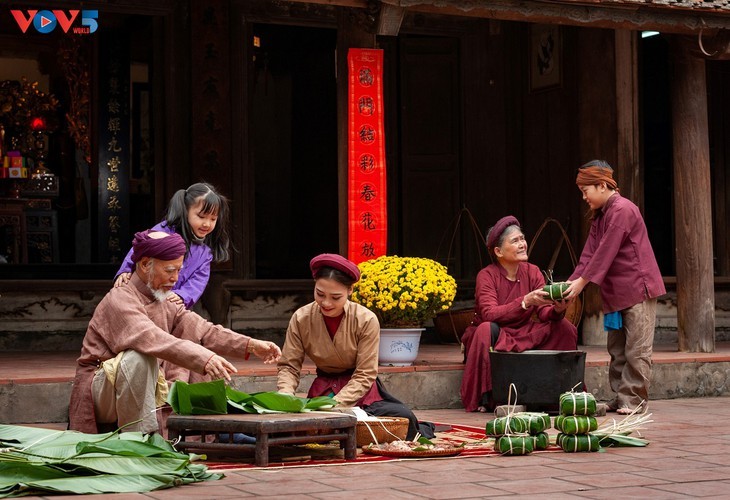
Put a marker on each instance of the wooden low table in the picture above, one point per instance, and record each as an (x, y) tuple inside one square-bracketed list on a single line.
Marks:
[(269, 430)]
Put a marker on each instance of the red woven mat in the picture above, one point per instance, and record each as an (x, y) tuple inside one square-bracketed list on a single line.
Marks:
[(476, 444)]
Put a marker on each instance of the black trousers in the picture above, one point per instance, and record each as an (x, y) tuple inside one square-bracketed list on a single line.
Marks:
[(392, 407)]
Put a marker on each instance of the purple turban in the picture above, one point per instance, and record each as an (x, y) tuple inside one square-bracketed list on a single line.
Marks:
[(498, 229), (336, 262), (169, 247)]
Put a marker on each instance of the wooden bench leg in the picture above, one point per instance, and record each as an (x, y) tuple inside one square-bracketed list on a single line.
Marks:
[(262, 449), (351, 444)]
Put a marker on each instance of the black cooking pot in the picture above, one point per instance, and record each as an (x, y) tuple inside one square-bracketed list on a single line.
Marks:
[(540, 377)]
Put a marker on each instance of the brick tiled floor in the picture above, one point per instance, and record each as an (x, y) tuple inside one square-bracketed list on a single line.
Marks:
[(687, 457)]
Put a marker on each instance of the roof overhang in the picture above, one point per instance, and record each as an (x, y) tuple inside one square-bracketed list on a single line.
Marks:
[(666, 16)]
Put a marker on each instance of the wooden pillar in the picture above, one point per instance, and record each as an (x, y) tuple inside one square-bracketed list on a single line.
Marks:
[(353, 31), (627, 117), (692, 193)]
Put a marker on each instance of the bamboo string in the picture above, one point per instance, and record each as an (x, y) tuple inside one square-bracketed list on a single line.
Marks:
[(510, 414)]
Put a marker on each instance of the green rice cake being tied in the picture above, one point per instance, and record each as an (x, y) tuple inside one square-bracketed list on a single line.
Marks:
[(575, 424), (540, 441), (579, 442), (499, 426), (577, 403), (536, 422), (514, 445), (556, 290)]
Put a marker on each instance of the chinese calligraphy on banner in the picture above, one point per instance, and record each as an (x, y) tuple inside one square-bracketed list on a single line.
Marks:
[(113, 222), (366, 190)]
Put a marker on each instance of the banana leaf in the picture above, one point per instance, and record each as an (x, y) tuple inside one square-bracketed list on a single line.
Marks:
[(35, 461), (578, 442), (112, 464), (208, 398), (536, 422), (203, 398), (506, 425), (241, 407), (320, 403), (621, 440), (125, 448), (556, 290), (575, 424), (514, 445), (279, 402), (236, 396), (93, 485), (540, 441), (577, 403)]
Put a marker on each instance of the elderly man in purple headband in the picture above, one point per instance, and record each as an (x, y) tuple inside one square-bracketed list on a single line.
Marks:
[(118, 377)]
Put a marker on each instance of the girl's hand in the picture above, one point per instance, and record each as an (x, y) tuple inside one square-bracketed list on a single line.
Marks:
[(175, 299), (263, 349), (575, 287), (122, 279)]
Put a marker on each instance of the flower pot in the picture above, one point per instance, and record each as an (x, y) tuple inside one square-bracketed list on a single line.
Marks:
[(399, 346)]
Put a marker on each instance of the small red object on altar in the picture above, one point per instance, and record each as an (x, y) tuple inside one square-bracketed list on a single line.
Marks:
[(38, 123)]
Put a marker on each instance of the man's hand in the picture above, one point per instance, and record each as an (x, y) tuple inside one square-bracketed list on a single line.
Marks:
[(175, 299), (537, 297), (219, 367), (268, 351), (122, 279), (562, 305)]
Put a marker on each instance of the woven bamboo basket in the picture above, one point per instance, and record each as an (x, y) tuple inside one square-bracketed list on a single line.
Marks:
[(385, 429), (450, 325)]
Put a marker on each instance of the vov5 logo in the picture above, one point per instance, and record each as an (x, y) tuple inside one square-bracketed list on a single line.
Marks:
[(45, 21)]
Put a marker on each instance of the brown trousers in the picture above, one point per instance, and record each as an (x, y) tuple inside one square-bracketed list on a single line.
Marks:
[(629, 372)]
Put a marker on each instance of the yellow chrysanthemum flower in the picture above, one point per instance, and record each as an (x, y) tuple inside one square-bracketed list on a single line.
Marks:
[(404, 291)]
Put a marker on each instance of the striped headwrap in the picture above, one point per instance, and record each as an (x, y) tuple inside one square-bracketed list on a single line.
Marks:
[(595, 172)]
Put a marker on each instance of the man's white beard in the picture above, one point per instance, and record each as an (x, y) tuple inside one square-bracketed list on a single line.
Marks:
[(159, 295)]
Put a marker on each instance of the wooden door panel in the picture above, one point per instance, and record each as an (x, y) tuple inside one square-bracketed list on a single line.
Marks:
[(429, 182), (425, 219)]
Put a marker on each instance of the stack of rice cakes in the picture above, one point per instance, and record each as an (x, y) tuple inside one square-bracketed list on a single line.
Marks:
[(576, 422), (519, 433)]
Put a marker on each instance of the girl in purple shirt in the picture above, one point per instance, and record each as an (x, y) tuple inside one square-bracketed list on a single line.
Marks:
[(618, 257), (200, 215)]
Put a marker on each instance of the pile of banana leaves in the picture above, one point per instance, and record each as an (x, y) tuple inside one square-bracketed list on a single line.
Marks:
[(216, 398), (36, 461)]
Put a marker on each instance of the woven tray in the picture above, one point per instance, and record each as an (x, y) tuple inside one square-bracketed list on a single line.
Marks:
[(386, 430), (447, 452)]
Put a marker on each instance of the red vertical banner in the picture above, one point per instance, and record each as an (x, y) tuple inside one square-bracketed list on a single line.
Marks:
[(366, 184)]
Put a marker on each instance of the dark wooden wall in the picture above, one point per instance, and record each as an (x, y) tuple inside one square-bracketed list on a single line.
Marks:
[(518, 148), (718, 81)]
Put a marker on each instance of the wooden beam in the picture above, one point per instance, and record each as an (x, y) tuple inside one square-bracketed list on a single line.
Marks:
[(629, 16), (693, 200), (390, 18)]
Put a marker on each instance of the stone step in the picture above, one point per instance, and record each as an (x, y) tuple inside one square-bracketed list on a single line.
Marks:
[(35, 386)]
